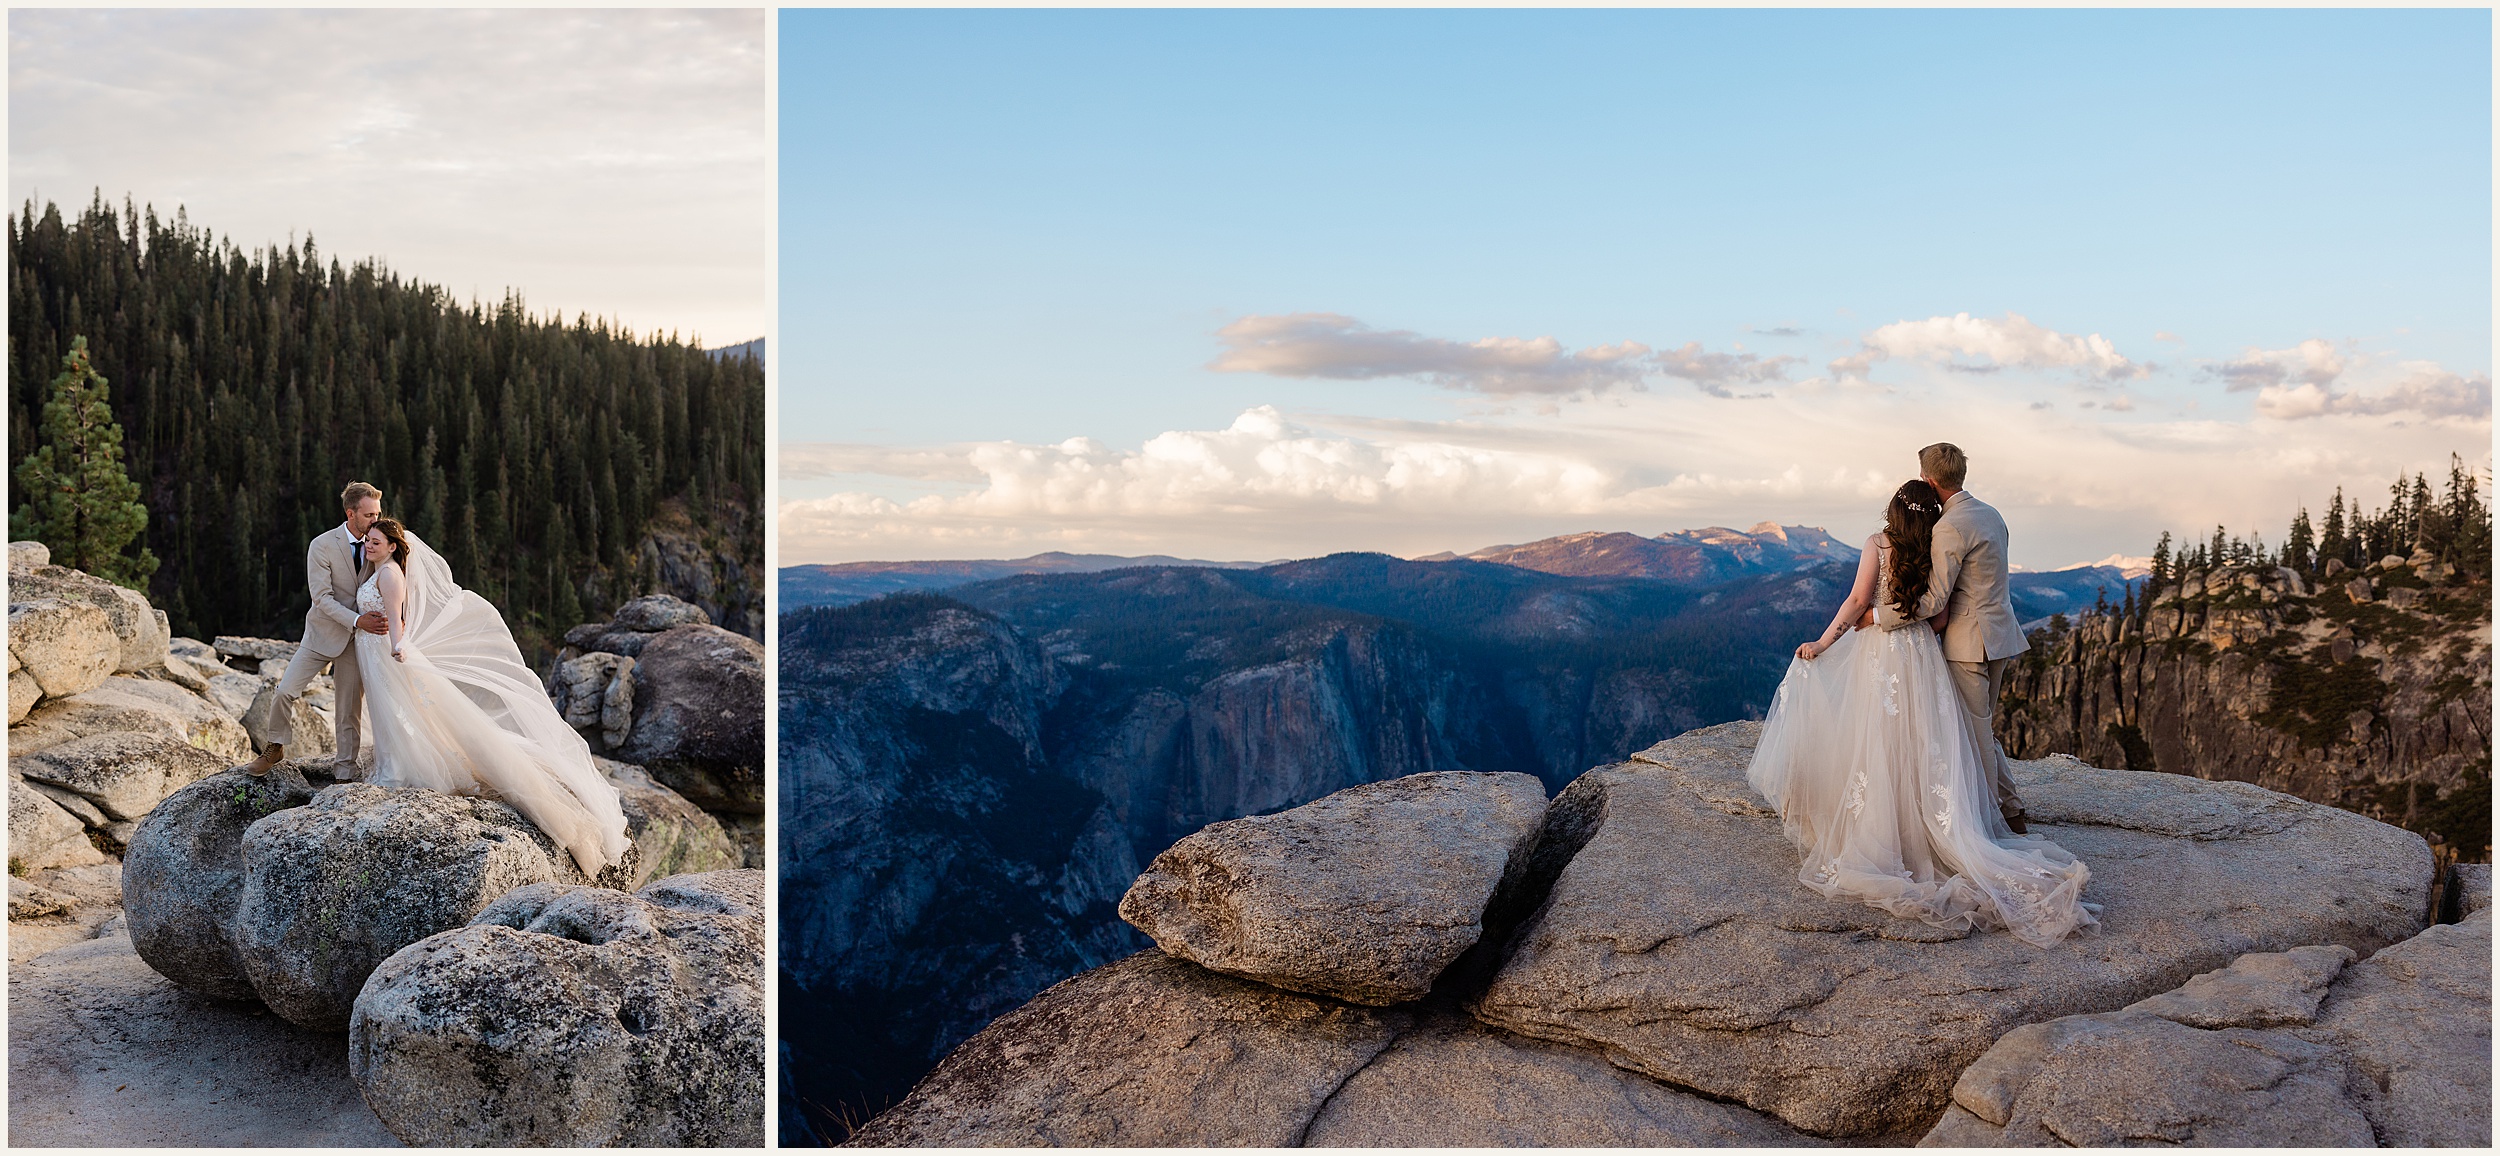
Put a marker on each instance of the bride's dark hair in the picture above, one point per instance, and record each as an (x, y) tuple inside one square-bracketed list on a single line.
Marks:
[(1910, 525), (398, 536)]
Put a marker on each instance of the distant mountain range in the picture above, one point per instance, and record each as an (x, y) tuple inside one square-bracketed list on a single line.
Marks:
[(1685, 559), (844, 583)]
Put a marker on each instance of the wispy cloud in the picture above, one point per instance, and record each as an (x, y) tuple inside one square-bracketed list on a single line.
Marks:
[(1332, 345), (1716, 373), (2427, 391), (1968, 344), (2312, 362)]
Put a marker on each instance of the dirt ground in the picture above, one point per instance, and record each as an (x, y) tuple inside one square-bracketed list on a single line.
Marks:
[(104, 1052)]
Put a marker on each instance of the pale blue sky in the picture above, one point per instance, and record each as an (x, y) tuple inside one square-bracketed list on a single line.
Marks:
[(1027, 227)]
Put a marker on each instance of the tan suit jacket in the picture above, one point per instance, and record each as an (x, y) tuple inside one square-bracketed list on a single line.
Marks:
[(1970, 578), (330, 569)]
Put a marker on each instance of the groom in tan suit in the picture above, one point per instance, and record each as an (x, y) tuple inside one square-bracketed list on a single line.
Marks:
[(1981, 637), (333, 567)]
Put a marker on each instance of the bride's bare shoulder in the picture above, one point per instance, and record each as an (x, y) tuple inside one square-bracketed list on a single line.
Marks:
[(1876, 541)]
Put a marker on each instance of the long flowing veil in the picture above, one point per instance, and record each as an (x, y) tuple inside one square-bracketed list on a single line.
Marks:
[(462, 637)]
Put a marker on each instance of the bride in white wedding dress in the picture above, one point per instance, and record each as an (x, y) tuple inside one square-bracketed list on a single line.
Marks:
[(1879, 782), (452, 708)]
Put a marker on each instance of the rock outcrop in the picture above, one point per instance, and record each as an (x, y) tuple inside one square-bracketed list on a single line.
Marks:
[(576, 1016), (140, 705), (1668, 982), (56, 649), (139, 630), (277, 890), (1678, 942), (1150, 1051), (2377, 704), (123, 774), (2304, 1048), (699, 716), (658, 685), (1366, 895)]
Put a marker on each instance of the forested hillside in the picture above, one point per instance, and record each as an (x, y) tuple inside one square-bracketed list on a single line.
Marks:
[(561, 467)]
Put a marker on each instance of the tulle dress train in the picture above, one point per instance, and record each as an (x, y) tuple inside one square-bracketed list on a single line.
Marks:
[(1879, 783), (464, 715)]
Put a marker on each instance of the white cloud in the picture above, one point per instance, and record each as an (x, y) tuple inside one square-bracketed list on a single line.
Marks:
[(1332, 345), (1981, 345), (2074, 485)]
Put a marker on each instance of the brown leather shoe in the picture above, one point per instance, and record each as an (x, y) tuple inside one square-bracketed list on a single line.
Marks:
[(269, 757), (2014, 819)]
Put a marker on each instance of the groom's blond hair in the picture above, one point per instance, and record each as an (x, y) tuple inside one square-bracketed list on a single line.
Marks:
[(1944, 462), (355, 494)]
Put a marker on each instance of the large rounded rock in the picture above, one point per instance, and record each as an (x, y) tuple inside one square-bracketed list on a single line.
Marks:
[(266, 888), (125, 774), (2283, 1049), (64, 647), (576, 1016), (140, 634), (141, 705), (1678, 942), (1366, 895), (332, 888), (182, 877), (699, 716)]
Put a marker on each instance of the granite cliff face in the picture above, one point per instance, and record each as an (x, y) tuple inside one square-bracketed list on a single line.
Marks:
[(969, 784), (2368, 690)]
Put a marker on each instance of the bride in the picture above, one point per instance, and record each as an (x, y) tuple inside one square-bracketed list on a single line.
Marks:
[(452, 707), (1877, 778)]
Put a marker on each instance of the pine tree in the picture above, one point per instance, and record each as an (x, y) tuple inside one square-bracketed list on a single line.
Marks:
[(2300, 546), (80, 502), (2332, 543), (2161, 574)]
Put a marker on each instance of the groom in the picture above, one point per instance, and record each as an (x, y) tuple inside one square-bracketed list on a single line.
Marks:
[(1982, 637), (332, 566)]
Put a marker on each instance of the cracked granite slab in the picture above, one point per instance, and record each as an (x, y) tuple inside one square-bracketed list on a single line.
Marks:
[(1678, 943)]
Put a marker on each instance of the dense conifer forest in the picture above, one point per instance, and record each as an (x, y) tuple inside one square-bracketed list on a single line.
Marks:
[(536, 454)]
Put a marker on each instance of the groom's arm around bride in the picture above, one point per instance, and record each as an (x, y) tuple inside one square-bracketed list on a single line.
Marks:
[(331, 571)]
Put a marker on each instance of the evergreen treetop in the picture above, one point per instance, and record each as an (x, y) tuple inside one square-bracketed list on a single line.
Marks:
[(78, 500)]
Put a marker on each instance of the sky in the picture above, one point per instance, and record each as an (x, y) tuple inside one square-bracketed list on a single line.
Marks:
[(614, 163), (1256, 285)]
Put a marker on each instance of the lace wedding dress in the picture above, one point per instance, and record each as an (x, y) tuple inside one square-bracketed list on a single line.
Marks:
[(464, 715), (1879, 783)]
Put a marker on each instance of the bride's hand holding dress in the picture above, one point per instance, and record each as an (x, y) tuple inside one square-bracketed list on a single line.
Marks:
[(1878, 783)]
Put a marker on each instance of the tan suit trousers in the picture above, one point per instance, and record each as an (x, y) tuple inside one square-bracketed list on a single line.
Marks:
[(1979, 684), (346, 703)]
